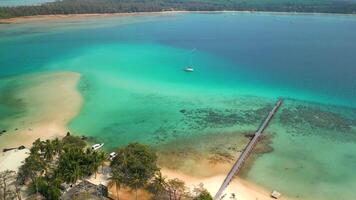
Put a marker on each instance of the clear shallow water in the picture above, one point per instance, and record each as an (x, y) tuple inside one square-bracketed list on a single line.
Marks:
[(135, 90)]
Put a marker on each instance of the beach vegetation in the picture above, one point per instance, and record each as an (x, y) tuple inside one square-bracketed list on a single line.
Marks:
[(54, 162), (177, 190), (135, 165), (158, 186), (48, 188), (201, 193), (129, 6), (162, 188), (117, 181)]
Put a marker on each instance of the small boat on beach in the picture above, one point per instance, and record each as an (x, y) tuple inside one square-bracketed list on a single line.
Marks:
[(189, 69), (97, 146), (112, 155)]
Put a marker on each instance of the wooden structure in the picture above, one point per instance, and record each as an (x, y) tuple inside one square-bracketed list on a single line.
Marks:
[(247, 151)]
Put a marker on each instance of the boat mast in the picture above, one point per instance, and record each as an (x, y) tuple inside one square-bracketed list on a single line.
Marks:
[(191, 57)]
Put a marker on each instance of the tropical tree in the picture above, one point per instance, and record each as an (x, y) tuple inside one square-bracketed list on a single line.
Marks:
[(201, 193), (136, 183), (102, 158), (73, 142), (49, 150), (57, 146), (37, 145), (136, 165), (116, 179), (176, 189), (158, 186), (70, 167), (33, 168), (48, 188), (97, 159)]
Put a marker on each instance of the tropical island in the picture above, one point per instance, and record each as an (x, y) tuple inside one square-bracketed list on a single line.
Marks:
[(131, 6)]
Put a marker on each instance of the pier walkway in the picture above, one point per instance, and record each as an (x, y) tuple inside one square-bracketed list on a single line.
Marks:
[(247, 151)]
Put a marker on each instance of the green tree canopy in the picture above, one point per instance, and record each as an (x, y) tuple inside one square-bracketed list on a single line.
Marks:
[(135, 164)]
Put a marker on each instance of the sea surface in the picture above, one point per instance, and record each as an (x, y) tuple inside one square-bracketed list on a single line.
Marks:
[(135, 89)]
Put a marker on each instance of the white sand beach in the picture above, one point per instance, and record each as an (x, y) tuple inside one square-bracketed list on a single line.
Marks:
[(51, 100), (241, 188), (13, 159)]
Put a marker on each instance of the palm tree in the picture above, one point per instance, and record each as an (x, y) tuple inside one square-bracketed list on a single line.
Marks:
[(158, 186), (74, 174), (36, 146), (48, 150), (33, 168), (102, 158), (94, 162), (116, 179), (136, 181), (57, 145)]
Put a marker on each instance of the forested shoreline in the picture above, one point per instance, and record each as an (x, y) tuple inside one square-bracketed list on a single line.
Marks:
[(129, 6), (55, 167)]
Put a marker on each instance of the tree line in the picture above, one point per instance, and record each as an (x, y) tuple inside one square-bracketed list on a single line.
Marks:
[(128, 6), (51, 163)]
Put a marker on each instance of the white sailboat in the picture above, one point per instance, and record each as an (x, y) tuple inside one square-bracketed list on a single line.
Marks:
[(190, 68)]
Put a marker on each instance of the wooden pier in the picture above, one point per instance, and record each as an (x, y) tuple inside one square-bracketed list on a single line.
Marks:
[(247, 151)]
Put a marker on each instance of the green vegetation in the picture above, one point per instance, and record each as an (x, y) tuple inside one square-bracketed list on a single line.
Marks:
[(203, 195), (52, 163), (124, 6), (134, 166)]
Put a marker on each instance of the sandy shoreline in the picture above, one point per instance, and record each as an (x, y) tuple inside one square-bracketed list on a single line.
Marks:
[(43, 18), (241, 188), (51, 102), (208, 158)]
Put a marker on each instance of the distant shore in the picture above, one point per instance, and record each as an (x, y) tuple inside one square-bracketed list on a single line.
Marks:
[(42, 18)]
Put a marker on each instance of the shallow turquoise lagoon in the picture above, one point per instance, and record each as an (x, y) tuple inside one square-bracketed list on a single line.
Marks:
[(135, 89)]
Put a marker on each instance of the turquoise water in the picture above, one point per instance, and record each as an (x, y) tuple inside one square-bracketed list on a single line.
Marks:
[(135, 89)]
